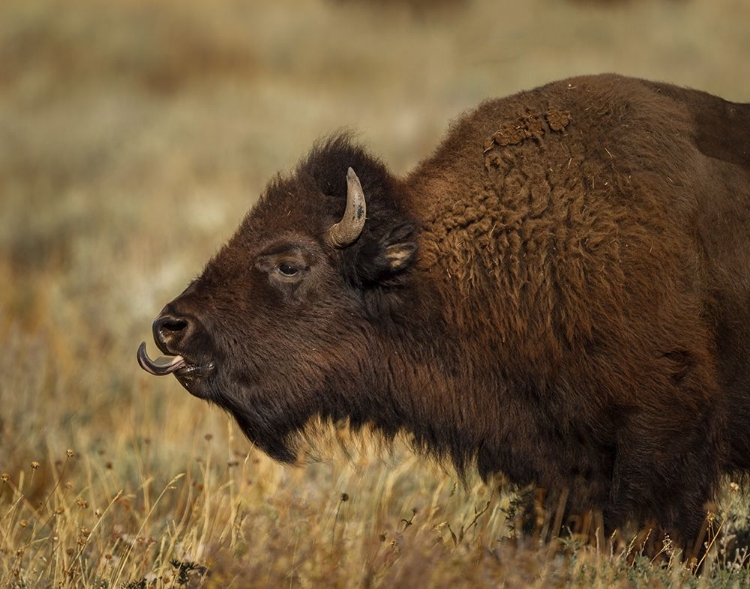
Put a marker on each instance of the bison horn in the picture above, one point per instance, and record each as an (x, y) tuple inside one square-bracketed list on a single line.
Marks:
[(346, 231)]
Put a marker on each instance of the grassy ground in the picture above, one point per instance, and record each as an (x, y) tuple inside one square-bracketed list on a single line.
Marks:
[(133, 136)]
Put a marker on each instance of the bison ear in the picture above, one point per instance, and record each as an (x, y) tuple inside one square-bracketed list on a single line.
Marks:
[(399, 250), (392, 254)]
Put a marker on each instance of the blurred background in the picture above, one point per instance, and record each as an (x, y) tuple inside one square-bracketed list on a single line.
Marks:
[(135, 134)]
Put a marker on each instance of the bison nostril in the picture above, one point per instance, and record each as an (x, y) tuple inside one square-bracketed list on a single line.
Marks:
[(167, 329), (173, 325)]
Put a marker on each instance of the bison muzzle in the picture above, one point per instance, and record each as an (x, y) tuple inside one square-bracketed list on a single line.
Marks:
[(560, 293)]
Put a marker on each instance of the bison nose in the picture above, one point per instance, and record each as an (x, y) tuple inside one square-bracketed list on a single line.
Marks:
[(170, 330)]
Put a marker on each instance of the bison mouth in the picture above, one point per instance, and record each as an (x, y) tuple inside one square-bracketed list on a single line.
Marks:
[(187, 372)]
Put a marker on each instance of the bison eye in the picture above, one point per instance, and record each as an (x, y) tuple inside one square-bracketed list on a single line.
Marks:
[(288, 270)]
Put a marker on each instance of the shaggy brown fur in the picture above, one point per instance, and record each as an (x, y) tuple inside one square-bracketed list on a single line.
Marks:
[(561, 292)]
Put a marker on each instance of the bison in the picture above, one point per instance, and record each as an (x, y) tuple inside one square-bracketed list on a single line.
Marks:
[(560, 293)]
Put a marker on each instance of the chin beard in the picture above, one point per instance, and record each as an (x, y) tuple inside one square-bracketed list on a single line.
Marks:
[(272, 428)]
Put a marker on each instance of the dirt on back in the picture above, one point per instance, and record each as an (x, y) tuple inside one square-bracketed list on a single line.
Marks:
[(528, 125)]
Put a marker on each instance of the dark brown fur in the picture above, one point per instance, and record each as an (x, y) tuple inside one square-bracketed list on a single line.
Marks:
[(561, 292)]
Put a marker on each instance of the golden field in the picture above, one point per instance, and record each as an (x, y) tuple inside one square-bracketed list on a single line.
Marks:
[(134, 135)]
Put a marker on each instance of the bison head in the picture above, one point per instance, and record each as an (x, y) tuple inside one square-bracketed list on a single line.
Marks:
[(284, 321)]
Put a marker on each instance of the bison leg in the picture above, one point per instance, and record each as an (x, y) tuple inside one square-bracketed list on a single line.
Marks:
[(666, 470)]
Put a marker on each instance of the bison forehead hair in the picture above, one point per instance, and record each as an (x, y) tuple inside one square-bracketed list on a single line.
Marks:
[(560, 292)]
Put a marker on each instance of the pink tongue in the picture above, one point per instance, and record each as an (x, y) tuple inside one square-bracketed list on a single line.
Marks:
[(162, 365)]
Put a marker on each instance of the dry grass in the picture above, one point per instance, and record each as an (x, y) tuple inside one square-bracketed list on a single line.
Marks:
[(133, 136)]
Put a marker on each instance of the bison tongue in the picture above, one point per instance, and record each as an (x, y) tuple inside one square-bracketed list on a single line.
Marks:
[(160, 366)]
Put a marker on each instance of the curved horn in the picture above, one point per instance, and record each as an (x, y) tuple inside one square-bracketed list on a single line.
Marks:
[(346, 231)]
